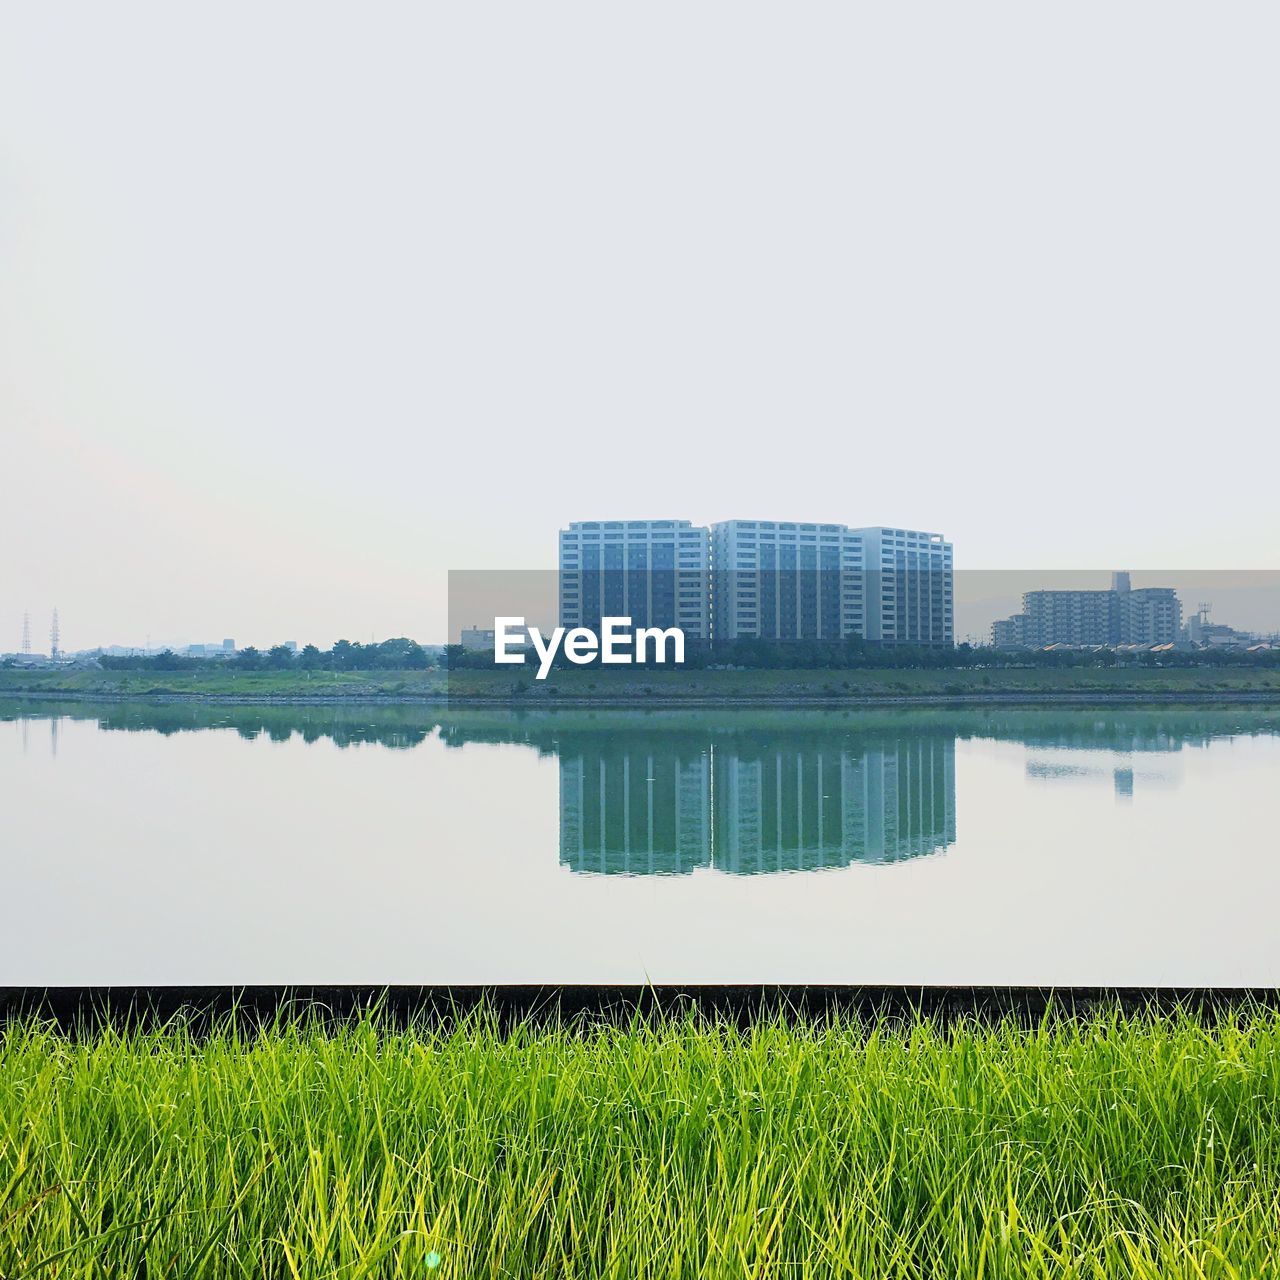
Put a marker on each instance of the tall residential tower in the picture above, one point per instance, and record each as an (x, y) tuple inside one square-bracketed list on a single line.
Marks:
[(655, 572), (784, 580), (766, 579)]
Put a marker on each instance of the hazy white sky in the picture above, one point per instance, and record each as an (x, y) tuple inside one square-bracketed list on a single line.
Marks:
[(301, 306)]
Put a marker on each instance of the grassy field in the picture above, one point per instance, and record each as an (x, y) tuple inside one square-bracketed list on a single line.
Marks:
[(747, 685), (615, 685), (225, 682), (1144, 1147)]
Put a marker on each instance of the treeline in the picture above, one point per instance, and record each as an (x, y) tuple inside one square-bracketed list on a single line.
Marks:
[(400, 654), (855, 652)]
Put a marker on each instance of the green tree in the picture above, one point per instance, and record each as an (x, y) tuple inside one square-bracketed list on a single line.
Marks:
[(280, 657)]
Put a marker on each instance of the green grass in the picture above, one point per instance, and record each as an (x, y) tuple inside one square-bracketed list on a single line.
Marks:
[(1114, 1146), (226, 682), (614, 685), (876, 683)]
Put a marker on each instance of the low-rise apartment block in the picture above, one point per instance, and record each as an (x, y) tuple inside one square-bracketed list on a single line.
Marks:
[(1119, 616)]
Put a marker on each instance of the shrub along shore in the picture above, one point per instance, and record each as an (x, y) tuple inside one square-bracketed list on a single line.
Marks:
[(1106, 1145), (614, 686)]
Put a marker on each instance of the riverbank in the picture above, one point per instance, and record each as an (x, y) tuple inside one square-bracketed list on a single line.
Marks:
[(1139, 1145), (1121, 685)]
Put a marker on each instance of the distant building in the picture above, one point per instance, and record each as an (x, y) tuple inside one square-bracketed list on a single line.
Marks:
[(1150, 615), (26, 659), (212, 649), (482, 638), (1071, 617), (655, 572), (1010, 633), (1119, 616), (1217, 635)]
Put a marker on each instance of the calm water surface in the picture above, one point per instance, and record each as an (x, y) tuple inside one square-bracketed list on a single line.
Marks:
[(182, 844)]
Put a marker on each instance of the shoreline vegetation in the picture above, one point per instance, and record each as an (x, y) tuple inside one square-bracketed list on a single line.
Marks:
[(611, 687), (550, 730), (1139, 1144)]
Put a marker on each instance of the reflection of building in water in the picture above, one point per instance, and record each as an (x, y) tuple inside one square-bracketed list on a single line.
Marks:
[(634, 812), (795, 809), (746, 807), (1120, 775)]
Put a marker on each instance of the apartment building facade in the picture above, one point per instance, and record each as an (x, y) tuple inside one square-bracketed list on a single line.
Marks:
[(910, 577), (1071, 617), (766, 579), (1119, 616), (655, 572), (785, 580), (782, 580), (1150, 615)]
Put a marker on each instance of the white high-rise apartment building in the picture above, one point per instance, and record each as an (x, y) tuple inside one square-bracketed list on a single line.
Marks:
[(910, 586), (655, 572), (772, 579), (784, 580)]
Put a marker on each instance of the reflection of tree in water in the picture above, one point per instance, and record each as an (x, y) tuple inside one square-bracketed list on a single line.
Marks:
[(341, 725), (400, 726)]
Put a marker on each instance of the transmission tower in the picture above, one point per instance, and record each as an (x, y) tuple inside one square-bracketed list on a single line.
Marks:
[(26, 634), (53, 637)]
